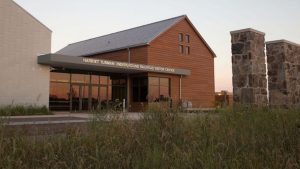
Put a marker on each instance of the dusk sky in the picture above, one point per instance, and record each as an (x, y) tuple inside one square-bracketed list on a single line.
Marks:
[(74, 20)]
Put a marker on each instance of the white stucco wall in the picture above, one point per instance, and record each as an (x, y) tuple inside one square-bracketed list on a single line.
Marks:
[(22, 39)]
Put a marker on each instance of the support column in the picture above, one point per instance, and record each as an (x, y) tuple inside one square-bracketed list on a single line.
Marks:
[(249, 67), (283, 73), (128, 93)]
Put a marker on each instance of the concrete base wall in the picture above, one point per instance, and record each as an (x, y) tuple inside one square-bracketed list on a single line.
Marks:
[(22, 39)]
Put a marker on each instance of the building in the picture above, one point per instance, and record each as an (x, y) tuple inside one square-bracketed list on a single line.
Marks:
[(163, 61), (22, 39)]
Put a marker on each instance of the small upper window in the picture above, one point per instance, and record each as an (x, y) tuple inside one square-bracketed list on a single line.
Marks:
[(187, 50), (187, 37), (181, 50), (180, 37)]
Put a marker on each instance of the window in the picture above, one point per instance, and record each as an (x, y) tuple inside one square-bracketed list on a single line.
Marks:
[(59, 77), (140, 89), (164, 88), (115, 82), (180, 37), (151, 89), (118, 89), (118, 93), (80, 78), (95, 79), (104, 80), (103, 93), (159, 89), (187, 38), (59, 98), (187, 50), (181, 49), (164, 82)]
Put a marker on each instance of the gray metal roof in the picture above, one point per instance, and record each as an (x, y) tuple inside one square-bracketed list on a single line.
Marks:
[(134, 37)]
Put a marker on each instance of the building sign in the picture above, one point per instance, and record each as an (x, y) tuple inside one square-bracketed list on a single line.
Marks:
[(101, 65), (128, 65)]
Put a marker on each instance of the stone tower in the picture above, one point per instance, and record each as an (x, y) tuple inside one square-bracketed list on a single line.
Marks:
[(249, 67), (283, 73)]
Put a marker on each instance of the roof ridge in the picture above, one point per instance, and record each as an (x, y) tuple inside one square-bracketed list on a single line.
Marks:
[(127, 29)]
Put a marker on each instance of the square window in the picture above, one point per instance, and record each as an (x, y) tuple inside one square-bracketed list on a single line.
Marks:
[(180, 37), (153, 81), (95, 79), (103, 80), (181, 50), (187, 37), (164, 81)]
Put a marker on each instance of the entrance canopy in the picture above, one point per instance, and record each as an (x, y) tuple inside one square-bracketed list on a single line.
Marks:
[(91, 64)]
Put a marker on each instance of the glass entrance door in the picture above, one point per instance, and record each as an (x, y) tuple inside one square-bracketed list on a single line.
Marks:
[(79, 97)]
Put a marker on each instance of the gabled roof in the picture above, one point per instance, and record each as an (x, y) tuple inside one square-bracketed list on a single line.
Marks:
[(30, 15), (135, 37), (200, 36)]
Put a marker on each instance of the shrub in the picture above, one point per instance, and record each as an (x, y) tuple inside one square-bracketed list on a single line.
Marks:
[(18, 110)]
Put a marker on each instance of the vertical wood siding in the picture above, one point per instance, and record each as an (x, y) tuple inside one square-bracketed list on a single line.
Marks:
[(199, 87)]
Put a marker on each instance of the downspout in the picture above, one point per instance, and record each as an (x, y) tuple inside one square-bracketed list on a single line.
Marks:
[(128, 83), (180, 85)]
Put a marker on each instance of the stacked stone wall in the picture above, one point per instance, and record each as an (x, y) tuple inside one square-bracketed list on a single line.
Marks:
[(283, 74), (249, 67)]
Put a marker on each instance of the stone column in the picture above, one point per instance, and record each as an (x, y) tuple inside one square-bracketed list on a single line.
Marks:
[(283, 73), (249, 67)]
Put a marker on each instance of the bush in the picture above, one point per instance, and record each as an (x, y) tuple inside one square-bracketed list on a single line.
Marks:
[(23, 110), (165, 138)]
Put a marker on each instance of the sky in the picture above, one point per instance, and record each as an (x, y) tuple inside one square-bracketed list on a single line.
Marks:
[(76, 20)]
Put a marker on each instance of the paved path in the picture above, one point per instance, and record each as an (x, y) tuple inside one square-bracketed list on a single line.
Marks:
[(61, 123), (68, 118), (45, 119)]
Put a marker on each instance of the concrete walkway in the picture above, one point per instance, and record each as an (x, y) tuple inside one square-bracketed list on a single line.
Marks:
[(66, 118), (72, 118), (62, 123)]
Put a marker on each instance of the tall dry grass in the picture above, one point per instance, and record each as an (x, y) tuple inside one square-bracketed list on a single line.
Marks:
[(164, 138)]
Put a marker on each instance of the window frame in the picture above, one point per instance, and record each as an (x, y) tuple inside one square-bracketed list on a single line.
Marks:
[(180, 37), (187, 50), (181, 49), (159, 85), (188, 38), (137, 87)]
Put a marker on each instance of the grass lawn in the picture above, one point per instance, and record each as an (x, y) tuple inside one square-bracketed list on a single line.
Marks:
[(245, 138)]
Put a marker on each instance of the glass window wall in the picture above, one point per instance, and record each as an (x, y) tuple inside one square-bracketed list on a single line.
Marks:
[(59, 99), (83, 91)]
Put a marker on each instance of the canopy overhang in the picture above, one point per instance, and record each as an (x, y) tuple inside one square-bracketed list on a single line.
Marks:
[(92, 64)]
